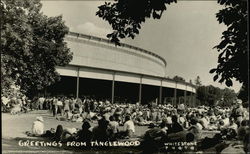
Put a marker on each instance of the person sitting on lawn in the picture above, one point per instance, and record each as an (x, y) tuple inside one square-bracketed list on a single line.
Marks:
[(38, 126), (175, 127), (69, 134), (58, 133), (195, 128), (100, 132), (113, 127), (64, 135), (129, 127), (85, 135)]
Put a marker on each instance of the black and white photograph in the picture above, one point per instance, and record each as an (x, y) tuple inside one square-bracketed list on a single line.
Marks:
[(125, 76)]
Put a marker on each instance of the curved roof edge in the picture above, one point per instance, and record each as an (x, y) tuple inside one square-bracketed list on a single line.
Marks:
[(90, 37), (162, 78)]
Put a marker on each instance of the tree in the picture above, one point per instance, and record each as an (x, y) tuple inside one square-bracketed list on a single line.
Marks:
[(228, 97), (32, 45), (126, 17), (178, 79), (197, 81), (208, 95), (233, 57)]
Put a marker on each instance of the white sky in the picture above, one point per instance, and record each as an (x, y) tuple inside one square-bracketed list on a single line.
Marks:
[(184, 36)]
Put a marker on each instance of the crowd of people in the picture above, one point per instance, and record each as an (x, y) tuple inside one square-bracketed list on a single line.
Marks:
[(207, 118), (118, 121)]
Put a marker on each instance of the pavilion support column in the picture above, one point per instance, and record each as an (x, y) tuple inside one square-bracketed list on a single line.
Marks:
[(160, 94), (175, 93), (166, 96), (189, 100), (185, 96), (140, 90), (45, 92), (77, 83), (113, 89), (192, 99)]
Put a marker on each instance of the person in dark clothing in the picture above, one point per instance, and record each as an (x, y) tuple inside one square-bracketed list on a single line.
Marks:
[(100, 132), (210, 142), (85, 135), (58, 134), (175, 127)]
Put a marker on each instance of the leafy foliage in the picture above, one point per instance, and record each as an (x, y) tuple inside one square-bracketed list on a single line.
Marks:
[(208, 95), (233, 57), (197, 81), (228, 98), (32, 45), (178, 79), (126, 16)]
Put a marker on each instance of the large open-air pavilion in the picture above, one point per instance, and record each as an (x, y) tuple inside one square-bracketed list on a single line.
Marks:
[(103, 70)]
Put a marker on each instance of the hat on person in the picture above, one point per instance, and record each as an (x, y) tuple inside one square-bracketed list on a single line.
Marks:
[(39, 118)]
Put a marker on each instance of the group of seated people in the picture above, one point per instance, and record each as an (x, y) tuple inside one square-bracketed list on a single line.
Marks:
[(109, 130), (77, 110), (106, 130), (165, 122), (143, 115)]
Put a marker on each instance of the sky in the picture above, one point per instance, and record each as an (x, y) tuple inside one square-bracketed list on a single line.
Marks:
[(185, 35)]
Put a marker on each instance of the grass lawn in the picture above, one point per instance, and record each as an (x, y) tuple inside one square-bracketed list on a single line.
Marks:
[(15, 126)]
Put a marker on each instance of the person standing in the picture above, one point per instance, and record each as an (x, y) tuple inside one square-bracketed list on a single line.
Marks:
[(66, 105), (54, 106), (239, 112), (72, 104), (60, 106), (5, 103), (80, 105), (41, 102)]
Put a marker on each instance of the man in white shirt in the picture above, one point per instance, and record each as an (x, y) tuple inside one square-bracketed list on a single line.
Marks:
[(204, 122), (5, 100), (38, 126), (60, 106), (41, 102), (129, 126), (113, 125)]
